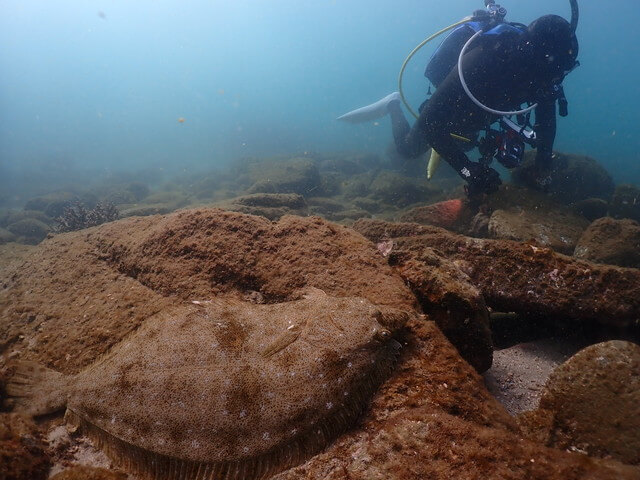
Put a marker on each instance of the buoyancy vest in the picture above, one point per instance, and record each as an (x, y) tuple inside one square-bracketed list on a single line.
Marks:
[(446, 56)]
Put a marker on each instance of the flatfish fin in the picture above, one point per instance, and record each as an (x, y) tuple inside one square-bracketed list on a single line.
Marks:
[(283, 341)]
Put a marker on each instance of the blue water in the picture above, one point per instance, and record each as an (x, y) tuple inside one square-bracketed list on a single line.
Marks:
[(100, 85)]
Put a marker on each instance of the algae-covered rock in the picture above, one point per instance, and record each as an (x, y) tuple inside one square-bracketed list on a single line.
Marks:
[(349, 214), (324, 206), (297, 175), (611, 241), (6, 236), (625, 202), (139, 190), (399, 190), (591, 208), (15, 216), (52, 204), (156, 203), (595, 400), (22, 449), (121, 197), (571, 179), (559, 230), (448, 297), (268, 205), (31, 230), (357, 186), (524, 278), (368, 204), (350, 164)]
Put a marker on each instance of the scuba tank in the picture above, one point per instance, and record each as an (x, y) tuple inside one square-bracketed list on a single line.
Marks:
[(490, 22)]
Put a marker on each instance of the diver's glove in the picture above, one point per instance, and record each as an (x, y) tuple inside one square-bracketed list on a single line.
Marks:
[(481, 179)]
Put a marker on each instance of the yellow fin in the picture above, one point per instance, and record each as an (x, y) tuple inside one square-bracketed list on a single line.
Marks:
[(434, 162)]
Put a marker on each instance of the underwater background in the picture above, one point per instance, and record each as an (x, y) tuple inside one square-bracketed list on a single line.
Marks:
[(94, 87)]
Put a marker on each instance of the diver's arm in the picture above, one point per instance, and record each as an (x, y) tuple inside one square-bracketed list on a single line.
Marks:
[(545, 128)]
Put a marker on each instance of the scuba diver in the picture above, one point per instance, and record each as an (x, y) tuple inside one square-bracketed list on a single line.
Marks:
[(484, 71)]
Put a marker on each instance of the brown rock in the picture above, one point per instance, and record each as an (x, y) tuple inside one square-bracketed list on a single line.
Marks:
[(558, 230), (442, 214), (616, 242), (433, 420), (448, 297), (6, 236), (22, 450), (572, 177), (524, 278), (72, 298), (31, 230), (88, 473), (199, 253), (595, 400), (64, 306), (269, 205), (625, 202), (591, 208), (399, 190), (295, 175), (81, 293)]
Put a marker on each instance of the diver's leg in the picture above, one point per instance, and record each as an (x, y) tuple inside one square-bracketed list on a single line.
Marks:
[(481, 179), (411, 142)]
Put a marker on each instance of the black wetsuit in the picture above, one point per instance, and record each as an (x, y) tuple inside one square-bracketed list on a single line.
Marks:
[(502, 74)]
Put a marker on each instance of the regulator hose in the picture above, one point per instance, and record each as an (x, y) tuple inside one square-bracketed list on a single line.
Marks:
[(575, 14), (474, 99), (414, 51)]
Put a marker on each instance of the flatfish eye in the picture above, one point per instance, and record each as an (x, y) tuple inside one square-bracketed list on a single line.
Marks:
[(382, 335)]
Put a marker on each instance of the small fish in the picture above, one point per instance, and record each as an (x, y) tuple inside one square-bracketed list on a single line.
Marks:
[(180, 119)]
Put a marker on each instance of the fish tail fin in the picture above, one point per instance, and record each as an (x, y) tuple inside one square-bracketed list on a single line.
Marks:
[(36, 390)]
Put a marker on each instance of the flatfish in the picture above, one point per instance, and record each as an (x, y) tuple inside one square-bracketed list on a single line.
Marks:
[(223, 389)]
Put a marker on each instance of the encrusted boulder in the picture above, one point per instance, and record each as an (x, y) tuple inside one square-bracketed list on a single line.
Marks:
[(443, 214), (558, 230), (30, 230), (52, 204), (433, 420), (571, 179), (350, 163), (396, 189), (611, 241), (23, 453), (6, 236), (156, 203), (78, 294), (447, 295), (594, 402), (625, 202), (269, 205), (95, 286), (296, 175), (525, 278)]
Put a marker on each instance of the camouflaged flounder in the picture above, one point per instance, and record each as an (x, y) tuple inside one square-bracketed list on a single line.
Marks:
[(224, 389)]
